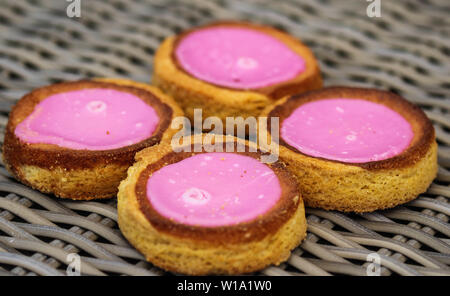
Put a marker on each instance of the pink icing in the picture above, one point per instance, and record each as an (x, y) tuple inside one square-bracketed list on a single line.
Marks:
[(213, 189), (348, 130), (93, 119), (237, 57)]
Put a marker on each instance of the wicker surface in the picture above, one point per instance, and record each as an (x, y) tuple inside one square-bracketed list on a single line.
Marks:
[(406, 50)]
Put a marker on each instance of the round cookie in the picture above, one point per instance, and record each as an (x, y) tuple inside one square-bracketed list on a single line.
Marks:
[(179, 210), (233, 68), (356, 149), (77, 139)]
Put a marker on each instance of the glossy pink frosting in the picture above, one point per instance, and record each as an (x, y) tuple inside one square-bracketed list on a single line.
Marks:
[(347, 130), (237, 57), (93, 119), (213, 189)]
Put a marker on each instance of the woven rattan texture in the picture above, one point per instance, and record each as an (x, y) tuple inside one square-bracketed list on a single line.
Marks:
[(406, 50)]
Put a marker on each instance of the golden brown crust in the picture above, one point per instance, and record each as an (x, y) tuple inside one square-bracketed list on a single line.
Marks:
[(49, 155), (214, 100), (422, 128), (362, 187), (21, 157), (205, 250), (242, 232)]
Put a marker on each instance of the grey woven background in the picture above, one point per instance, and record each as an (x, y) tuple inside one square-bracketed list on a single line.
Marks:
[(406, 50)]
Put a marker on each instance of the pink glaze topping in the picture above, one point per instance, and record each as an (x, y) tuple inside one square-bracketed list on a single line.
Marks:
[(93, 119), (237, 57), (347, 130), (214, 189)]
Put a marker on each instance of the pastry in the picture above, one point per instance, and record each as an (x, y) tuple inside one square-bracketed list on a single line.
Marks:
[(233, 68), (77, 139), (356, 149), (203, 212)]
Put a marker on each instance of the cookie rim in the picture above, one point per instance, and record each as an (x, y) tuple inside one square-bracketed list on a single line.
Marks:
[(48, 156), (265, 224), (422, 127), (272, 91)]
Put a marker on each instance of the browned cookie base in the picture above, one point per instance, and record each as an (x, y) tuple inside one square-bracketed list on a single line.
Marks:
[(214, 100), (362, 187), (195, 250), (80, 174)]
